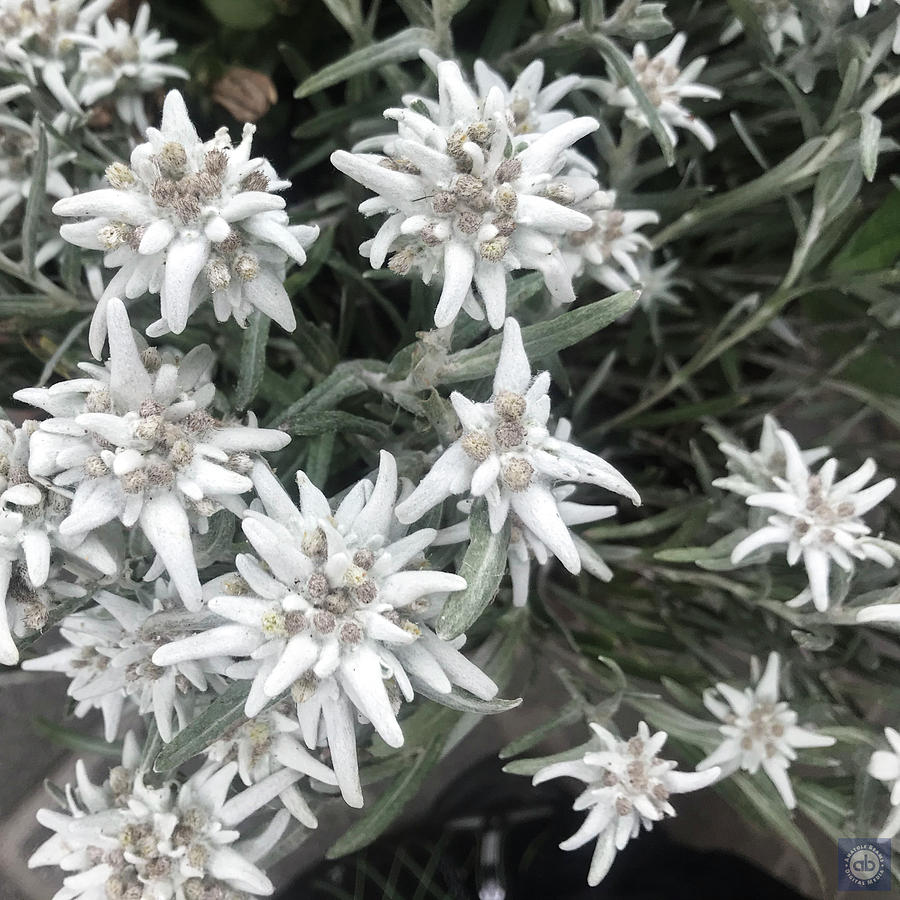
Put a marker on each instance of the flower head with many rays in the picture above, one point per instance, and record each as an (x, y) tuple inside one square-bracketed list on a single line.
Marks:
[(507, 455), (190, 219), (468, 199), (124, 60), (885, 766), (609, 249), (665, 86), (335, 606), (779, 20), (33, 553), (125, 838), (525, 545), (627, 787), (266, 744), (818, 519), (137, 444), (861, 7), (759, 730), (108, 659)]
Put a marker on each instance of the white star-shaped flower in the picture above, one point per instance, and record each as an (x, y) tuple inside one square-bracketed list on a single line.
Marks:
[(126, 838), (190, 219), (335, 606), (266, 744), (608, 251), (759, 731), (525, 545), (627, 787), (818, 519), (123, 61), (468, 199), (507, 455), (755, 471), (136, 443), (108, 659), (779, 20), (885, 766), (666, 85)]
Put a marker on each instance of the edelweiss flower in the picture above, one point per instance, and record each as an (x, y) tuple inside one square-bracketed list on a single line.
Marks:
[(507, 456), (125, 838), (779, 20), (523, 543), (531, 107), (36, 36), (109, 661), (665, 86), (861, 7), (885, 766), (627, 786), (123, 60), (755, 471), (31, 577), (136, 442), (18, 145), (267, 744), (469, 199), (818, 519), (336, 610), (608, 249), (759, 730), (658, 284), (189, 219)]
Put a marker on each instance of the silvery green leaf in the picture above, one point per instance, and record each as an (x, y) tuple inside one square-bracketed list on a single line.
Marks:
[(869, 137), (571, 713), (206, 729), (343, 382), (37, 201), (540, 340), (836, 187), (530, 766), (621, 66), (483, 567), (253, 360), (463, 701), (75, 740), (316, 423), (213, 546), (646, 23), (403, 46)]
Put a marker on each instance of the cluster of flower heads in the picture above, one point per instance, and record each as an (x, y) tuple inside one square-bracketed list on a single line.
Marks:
[(818, 519), (129, 838), (330, 616), (72, 48)]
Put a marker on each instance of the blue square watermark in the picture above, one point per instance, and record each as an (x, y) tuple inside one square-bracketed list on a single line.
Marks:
[(864, 864)]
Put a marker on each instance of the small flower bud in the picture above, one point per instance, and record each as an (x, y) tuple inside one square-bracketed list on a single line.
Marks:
[(517, 474), (324, 622), (114, 235), (495, 249), (505, 225), (508, 170), (366, 592), (134, 482), (148, 428), (181, 454), (505, 199), (119, 176), (477, 445), (246, 266), (304, 687), (314, 543), (443, 202), (172, 159), (94, 467), (509, 434), (350, 633), (217, 275), (401, 262), (255, 181), (468, 222), (509, 405), (559, 193), (364, 558), (468, 186), (215, 162)]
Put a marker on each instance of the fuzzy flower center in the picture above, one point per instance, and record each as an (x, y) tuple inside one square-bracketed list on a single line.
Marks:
[(762, 728), (656, 76), (637, 774)]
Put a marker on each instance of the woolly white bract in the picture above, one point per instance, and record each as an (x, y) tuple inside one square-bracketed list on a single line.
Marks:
[(189, 220), (135, 443), (128, 838), (818, 519), (759, 730), (335, 608), (468, 199), (507, 455), (627, 787)]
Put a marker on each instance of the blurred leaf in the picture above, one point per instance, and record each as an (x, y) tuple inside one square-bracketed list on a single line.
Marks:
[(36, 203), (403, 46), (316, 423), (463, 701), (75, 740), (241, 14), (876, 243), (380, 814)]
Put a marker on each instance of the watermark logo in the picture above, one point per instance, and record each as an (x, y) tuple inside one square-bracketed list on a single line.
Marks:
[(864, 864)]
